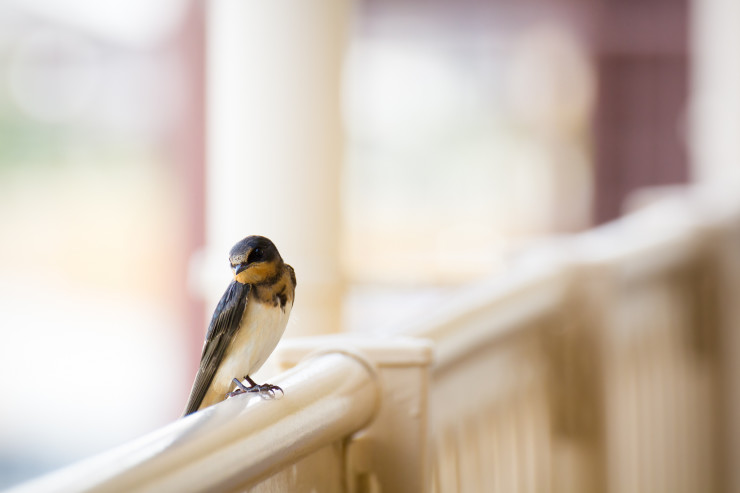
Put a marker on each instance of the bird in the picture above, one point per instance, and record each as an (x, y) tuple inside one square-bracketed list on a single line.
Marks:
[(247, 324)]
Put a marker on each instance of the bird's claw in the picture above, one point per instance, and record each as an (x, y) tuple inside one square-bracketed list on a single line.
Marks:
[(265, 390)]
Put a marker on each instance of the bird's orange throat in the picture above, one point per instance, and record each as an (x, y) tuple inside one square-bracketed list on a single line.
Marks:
[(257, 273)]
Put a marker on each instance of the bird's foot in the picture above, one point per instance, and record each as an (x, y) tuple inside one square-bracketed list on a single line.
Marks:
[(266, 390), (240, 389)]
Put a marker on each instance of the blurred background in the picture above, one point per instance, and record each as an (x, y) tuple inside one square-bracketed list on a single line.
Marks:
[(392, 150)]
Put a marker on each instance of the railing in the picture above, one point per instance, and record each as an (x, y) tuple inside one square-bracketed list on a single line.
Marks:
[(651, 290), (597, 371), (605, 362), (490, 403), (245, 442)]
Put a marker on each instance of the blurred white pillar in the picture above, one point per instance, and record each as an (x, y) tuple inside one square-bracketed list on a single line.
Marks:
[(715, 139), (715, 82), (275, 141)]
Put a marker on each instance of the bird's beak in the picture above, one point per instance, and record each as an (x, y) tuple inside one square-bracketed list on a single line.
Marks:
[(239, 268)]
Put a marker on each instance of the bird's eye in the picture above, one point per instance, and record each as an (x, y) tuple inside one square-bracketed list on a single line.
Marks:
[(255, 256)]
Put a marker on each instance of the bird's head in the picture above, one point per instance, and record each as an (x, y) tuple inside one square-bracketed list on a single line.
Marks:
[(254, 260)]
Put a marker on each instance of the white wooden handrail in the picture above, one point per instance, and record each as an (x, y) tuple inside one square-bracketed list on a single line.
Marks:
[(487, 312), (574, 371), (239, 442)]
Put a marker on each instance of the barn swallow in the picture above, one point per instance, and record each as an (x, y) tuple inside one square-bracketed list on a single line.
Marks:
[(247, 324)]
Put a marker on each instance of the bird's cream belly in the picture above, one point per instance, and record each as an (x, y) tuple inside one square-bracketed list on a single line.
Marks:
[(260, 329)]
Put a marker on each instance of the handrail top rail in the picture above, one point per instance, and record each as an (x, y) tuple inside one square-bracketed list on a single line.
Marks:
[(236, 442), (538, 283)]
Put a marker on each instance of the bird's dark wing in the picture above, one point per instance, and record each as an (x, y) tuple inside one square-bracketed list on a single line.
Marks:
[(224, 325)]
